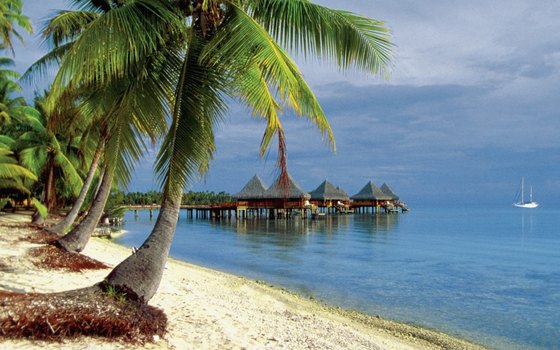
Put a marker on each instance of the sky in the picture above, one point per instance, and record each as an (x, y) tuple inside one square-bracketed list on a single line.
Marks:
[(471, 106)]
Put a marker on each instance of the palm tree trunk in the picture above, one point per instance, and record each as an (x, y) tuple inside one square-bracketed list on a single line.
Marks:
[(140, 274), (76, 240), (69, 219), (47, 198)]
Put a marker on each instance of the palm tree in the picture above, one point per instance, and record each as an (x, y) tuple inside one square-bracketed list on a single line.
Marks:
[(71, 216), (121, 152), (10, 15), (108, 112), (214, 49), (44, 149), (12, 174), (12, 107)]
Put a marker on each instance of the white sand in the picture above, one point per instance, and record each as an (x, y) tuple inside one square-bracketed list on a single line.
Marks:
[(208, 309)]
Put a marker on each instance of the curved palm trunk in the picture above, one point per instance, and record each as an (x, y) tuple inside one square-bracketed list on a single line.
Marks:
[(76, 240), (141, 272), (69, 219), (49, 198)]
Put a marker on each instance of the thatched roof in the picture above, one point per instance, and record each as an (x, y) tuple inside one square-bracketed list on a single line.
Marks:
[(370, 192), (388, 191), (327, 191), (276, 191), (254, 189)]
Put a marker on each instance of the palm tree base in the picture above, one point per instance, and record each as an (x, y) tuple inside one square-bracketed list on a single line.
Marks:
[(93, 311)]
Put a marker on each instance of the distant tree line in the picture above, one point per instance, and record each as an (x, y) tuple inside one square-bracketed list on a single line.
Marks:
[(153, 197)]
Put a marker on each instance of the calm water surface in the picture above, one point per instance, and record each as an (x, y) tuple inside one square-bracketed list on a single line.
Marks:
[(489, 275)]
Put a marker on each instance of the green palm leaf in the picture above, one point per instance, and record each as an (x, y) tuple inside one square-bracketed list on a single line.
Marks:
[(344, 37), (264, 66), (188, 146), (66, 26), (119, 48), (8, 171)]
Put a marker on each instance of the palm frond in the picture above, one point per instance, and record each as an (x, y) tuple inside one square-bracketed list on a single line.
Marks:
[(259, 63), (188, 146), (33, 158), (10, 171), (6, 142), (39, 69), (66, 26), (344, 37), (15, 184), (72, 179), (41, 208), (136, 32)]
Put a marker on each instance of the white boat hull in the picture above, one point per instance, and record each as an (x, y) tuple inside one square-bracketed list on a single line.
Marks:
[(529, 205)]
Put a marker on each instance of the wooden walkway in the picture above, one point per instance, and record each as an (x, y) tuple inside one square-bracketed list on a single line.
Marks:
[(232, 209)]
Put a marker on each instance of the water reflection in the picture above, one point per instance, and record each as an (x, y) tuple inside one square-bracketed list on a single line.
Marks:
[(298, 229), (377, 223), (526, 222), (297, 232)]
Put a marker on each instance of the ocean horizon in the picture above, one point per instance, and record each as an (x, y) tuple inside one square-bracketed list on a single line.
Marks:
[(489, 275)]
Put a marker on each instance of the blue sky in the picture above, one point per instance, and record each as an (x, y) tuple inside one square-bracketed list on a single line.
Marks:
[(470, 107)]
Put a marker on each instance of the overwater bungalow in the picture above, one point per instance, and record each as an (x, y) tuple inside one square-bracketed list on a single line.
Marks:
[(253, 190), (276, 201), (388, 191), (372, 198), (395, 199), (330, 198), (255, 200)]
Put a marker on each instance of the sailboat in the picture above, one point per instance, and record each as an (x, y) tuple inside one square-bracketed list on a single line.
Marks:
[(522, 204)]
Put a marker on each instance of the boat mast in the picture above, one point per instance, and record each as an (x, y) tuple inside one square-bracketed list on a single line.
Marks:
[(522, 186)]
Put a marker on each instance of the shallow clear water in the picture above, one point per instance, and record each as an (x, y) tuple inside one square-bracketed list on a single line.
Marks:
[(489, 275)]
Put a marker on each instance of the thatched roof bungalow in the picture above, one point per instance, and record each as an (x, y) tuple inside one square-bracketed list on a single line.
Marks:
[(328, 192), (254, 189), (293, 190), (255, 196), (371, 193), (388, 191)]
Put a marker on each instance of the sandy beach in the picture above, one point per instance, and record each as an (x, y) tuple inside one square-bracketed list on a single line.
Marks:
[(209, 309)]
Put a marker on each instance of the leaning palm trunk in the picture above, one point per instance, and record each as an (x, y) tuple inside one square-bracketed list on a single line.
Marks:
[(141, 272), (76, 240), (69, 219)]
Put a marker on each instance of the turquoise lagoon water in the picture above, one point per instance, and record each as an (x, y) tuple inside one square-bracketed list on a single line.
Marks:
[(488, 275)]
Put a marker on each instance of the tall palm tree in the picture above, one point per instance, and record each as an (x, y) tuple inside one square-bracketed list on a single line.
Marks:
[(214, 49), (113, 112), (10, 15)]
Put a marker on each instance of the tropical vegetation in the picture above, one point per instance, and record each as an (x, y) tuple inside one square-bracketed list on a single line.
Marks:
[(167, 71), (193, 58), (191, 197)]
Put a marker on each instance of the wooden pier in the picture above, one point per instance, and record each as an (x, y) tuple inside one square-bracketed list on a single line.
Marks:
[(274, 209), (283, 201)]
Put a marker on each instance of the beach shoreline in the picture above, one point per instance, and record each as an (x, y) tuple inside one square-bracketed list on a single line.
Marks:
[(209, 309)]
